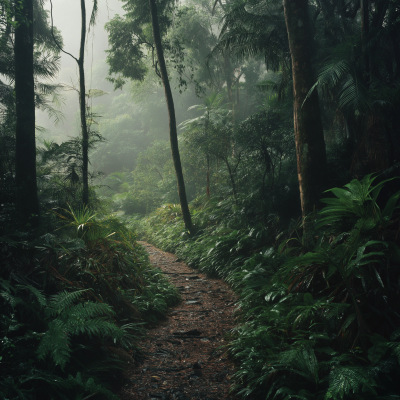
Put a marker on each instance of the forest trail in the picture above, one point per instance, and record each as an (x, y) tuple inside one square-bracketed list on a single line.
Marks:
[(183, 359)]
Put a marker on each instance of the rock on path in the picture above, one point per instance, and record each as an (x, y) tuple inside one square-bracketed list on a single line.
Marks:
[(183, 355)]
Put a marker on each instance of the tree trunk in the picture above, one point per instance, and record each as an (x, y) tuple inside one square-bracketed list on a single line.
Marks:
[(25, 160), (237, 99), (173, 134), (82, 104), (229, 83), (364, 10), (231, 177), (310, 144), (207, 155), (208, 177)]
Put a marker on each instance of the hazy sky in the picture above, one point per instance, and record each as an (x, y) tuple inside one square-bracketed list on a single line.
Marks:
[(67, 18)]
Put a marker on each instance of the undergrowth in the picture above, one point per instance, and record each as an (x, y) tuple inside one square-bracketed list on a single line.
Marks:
[(320, 313), (74, 304)]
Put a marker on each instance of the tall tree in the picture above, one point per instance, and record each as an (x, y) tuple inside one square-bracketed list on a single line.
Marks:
[(25, 160), (173, 134), (309, 137)]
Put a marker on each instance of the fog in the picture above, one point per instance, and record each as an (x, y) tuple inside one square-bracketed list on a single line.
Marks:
[(67, 18), (134, 160)]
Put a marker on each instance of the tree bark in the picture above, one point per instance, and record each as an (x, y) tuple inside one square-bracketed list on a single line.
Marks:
[(309, 137), (82, 104), (173, 134), (25, 160)]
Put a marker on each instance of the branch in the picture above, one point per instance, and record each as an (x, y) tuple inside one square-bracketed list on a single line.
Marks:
[(239, 158), (215, 4), (140, 40), (52, 34)]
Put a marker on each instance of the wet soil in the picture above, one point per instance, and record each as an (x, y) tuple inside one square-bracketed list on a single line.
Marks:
[(184, 354)]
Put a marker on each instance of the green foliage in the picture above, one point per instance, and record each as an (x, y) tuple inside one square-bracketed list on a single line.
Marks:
[(83, 224), (253, 28), (74, 305), (60, 170), (157, 295), (90, 319), (358, 201), (60, 329), (104, 259)]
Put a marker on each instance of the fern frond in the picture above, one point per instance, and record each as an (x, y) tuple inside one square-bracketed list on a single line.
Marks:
[(40, 297), (55, 342), (86, 387), (63, 300), (301, 360), (88, 310), (344, 381), (95, 327)]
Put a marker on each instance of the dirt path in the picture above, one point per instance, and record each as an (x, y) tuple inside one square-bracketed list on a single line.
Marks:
[(183, 360)]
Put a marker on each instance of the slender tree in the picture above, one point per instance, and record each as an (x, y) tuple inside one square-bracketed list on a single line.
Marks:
[(309, 137), (172, 120), (82, 94), (25, 160), (82, 104)]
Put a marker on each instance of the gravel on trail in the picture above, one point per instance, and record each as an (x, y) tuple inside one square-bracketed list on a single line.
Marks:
[(184, 354)]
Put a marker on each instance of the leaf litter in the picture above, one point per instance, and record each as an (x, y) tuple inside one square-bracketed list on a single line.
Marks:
[(184, 355)]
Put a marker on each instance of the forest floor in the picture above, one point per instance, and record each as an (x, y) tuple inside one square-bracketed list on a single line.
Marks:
[(184, 358)]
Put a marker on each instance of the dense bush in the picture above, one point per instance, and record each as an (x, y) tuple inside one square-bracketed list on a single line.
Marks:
[(74, 304)]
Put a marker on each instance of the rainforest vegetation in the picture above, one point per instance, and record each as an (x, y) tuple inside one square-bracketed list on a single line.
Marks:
[(258, 140)]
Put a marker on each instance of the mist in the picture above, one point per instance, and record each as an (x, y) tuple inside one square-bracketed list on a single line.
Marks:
[(67, 19)]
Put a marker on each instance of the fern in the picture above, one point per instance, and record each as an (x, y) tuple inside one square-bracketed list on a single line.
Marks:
[(91, 319), (302, 360), (344, 381), (86, 388), (55, 342), (63, 300)]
